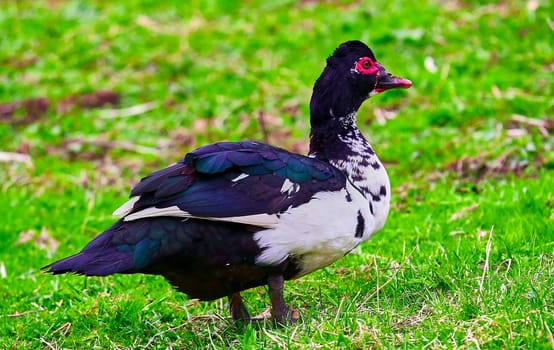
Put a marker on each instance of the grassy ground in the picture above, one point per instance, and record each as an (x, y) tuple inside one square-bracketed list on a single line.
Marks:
[(466, 258)]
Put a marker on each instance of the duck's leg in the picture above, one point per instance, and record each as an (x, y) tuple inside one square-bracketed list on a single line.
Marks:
[(279, 310), (237, 308)]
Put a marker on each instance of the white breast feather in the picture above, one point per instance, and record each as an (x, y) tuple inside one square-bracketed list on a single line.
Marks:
[(320, 231), (367, 176)]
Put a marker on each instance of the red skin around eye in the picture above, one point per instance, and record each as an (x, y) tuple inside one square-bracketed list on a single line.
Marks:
[(360, 66)]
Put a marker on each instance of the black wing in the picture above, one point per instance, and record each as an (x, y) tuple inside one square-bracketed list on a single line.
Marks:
[(233, 179)]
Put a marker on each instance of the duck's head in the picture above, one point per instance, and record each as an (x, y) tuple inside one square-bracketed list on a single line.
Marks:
[(352, 75)]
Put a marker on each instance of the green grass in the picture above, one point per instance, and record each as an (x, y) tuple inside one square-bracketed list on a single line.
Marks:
[(209, 69)]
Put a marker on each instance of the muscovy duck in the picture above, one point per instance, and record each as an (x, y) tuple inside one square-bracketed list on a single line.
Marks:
[(236, 215)]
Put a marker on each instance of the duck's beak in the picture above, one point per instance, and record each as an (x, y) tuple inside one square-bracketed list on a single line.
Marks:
[(387, 81)]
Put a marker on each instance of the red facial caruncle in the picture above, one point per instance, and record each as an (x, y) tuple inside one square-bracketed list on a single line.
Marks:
[(366, 65)]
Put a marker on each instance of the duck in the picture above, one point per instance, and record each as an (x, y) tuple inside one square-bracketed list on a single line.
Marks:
[(231, 216)]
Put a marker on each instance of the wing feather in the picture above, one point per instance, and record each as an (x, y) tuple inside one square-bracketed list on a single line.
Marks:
[(232, 181)]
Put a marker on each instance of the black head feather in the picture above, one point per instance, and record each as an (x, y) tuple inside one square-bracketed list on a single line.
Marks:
[(340, 90), (351, 49)]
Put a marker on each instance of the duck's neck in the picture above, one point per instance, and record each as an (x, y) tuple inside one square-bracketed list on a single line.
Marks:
[(330, 141), (332, 117), (333, 120), (340, 143)]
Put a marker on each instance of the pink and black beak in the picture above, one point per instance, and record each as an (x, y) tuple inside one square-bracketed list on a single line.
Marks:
[(387, 81)]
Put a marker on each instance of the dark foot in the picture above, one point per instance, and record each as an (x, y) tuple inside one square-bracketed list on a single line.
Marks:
[(292, 316), (280, 313), (237, 308)]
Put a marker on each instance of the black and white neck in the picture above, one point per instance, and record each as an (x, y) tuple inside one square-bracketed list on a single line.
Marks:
[(344, 146)]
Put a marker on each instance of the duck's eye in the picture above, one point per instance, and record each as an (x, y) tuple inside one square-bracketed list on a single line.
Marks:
[(365, 65)]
